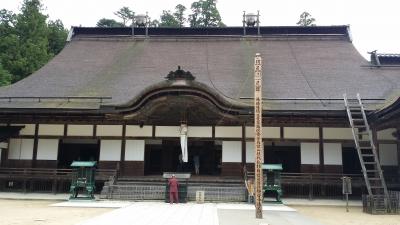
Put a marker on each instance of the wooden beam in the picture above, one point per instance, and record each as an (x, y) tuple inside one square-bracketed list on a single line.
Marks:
[(321, 151), (243, 145), (35, 145)]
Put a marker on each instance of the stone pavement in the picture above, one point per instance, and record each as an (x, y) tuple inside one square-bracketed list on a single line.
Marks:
[(158, 213)]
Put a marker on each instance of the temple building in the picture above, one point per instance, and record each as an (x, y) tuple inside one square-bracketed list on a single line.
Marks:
[(120, 98)]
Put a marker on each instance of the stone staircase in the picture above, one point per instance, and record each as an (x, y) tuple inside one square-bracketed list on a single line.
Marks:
[(153, 188)]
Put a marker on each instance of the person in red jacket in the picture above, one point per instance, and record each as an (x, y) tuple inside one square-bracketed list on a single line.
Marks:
[(173, 189)]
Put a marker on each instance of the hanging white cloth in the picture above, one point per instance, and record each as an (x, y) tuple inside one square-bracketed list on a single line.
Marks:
[(183, 132)]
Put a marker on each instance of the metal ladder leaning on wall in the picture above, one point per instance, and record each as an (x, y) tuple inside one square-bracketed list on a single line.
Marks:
[(366, 149)]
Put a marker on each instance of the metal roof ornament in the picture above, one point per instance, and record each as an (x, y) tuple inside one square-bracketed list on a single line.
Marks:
[(180, 74)]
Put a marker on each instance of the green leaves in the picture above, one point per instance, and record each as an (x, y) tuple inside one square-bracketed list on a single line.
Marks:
[(306, 20), (27, 41), (205, 14), (109, 23)]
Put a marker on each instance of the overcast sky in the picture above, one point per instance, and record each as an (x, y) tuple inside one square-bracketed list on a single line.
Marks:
[(374, 24)]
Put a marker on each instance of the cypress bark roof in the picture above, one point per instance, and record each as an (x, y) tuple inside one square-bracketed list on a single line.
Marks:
[(306, 63)]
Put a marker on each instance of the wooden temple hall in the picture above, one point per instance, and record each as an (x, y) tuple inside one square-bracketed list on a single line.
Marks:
[(125, 100)]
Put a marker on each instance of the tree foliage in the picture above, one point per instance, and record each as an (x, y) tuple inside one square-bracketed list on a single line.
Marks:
[(108, 23), (179, 14), (27, 41), (306, 20), (125, 14), (205, 14), (167, 19)]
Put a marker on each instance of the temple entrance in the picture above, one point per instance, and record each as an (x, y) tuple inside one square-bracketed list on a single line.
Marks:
[(351, 162), (287, 155), (77, 149), (164, 157)]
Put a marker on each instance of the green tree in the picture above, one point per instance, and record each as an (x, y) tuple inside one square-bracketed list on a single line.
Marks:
[(32, 31), (5, 76), (108, 23), (125, 14), (179, 14), (205, 14), (154, 23), (306, 20), (27, 41), (57, 36), (167, 19)]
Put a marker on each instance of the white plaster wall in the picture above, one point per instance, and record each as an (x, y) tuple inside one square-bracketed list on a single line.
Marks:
[(301, 132), (3, 145), (47, 149), (228, 132), (337, 133), (268, 132), (137, 131), (309, 153), (231, 151), (250, 158), (386, 134), (388, 154), (134, 150), (80, 130), (109, 130), (168, 131), (20, 148), (51, 129), (333, 154), (200, 132), (110, 150), (29, 129)]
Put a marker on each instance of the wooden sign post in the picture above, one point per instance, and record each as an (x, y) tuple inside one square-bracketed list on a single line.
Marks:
[(258, 135)]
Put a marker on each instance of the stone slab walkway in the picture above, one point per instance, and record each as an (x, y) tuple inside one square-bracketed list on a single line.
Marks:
[(157, 213)]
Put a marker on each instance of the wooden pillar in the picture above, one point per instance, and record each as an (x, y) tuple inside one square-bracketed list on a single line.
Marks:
[(123, 145), (243, 145), (398, 150), (35, 145), (321, 151)]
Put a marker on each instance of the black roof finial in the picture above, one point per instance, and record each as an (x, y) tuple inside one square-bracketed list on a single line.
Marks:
[(180, 74)]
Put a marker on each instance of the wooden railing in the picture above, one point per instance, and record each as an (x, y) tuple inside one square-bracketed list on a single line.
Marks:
[(43, 179)]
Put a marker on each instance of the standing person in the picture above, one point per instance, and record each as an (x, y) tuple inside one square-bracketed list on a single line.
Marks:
[(173, 189), (196, 162)]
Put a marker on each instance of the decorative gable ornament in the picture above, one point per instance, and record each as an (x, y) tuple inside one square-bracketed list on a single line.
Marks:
[(180, 74)]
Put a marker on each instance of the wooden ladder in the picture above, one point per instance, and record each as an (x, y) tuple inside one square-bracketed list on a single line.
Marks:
[(366, 149)]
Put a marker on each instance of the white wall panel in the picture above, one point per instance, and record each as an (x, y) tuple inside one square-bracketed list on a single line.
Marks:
[(386, 134), (333, 154), (337, 133), (388, 154), (110, 150), (301, 132), (231, 151), (20, 148), (137, 131), (268, 132), (168, 131), (109, 130), (200, 132), (250, 152), (47, 149), (134, 150), (29, 129), (228, 132), (3, 145), (80, 130), (309, 153), (51, 129)]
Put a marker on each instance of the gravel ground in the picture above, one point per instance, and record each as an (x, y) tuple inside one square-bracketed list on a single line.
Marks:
[(38, 212), (331, 215)]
